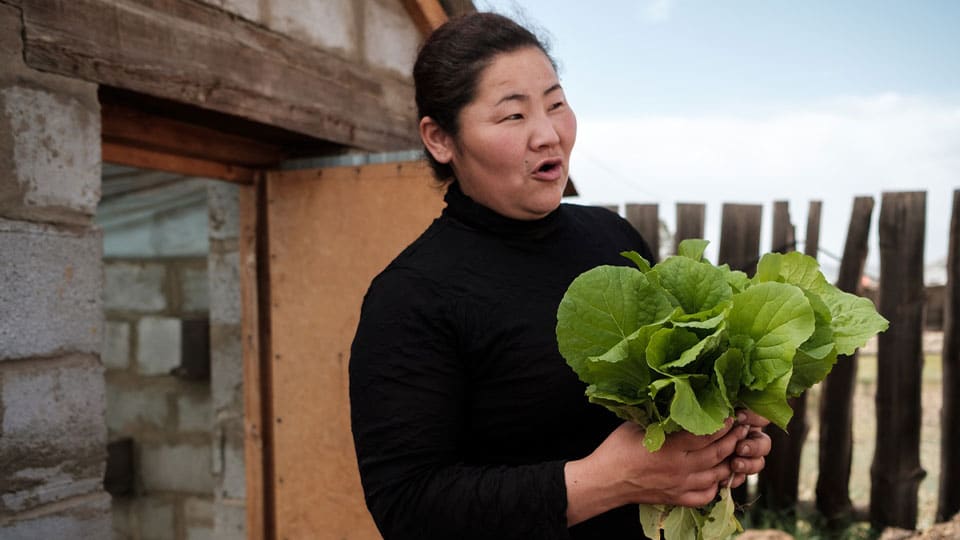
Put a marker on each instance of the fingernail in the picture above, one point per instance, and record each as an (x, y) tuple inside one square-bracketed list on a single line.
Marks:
[(746, 449), (741, 417), (738, 465)]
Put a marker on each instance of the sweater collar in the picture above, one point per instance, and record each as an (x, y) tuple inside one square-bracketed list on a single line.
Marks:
[(474, 215)]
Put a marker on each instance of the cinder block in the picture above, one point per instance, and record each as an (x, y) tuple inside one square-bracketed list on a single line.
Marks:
[(82, 517), (122, 511), (223, 200), (50, 283), (226, 369), (390, 38), (198, 511), (134, 287), (329, 24), (225, 303), (157, 521), (230, 520), (55, 145), (194, 289), (176, 467), (194, 412), (116, 345), (138, 407), (234, 483), (53, 434), (158, 345), (199, 532)]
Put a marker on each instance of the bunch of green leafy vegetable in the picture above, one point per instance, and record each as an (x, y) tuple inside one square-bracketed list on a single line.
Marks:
[(683, 344)]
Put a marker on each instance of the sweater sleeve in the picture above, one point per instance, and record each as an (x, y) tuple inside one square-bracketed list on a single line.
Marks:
[(408, 394)]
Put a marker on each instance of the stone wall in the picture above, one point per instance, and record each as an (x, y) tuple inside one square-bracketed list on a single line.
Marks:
[(149, 306), (52, 431)]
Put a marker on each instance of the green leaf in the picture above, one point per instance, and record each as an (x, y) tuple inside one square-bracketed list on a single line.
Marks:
[(855, 319), (635, 257), (700, 413), (692, 248), (721, 522), (682, 523), (771, 401), (794, 268), (808, 371), (728, 368), (604, 306), (654, 437), (667, 346), (634, 410), (651, 518), (697, 286), (776, 318), (737, 280)]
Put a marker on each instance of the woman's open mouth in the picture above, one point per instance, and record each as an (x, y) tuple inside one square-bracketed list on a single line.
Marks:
[(549, 170)]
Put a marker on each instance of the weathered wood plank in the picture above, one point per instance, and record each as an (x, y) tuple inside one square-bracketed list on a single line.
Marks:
[(949, 497), (836, 397), (690, 222), (896, 472), (778, 484), (645, 219), (811, 245), (426, 14), (149, 159), (193, 53), (740, 236), (253, 414), (132, 127)]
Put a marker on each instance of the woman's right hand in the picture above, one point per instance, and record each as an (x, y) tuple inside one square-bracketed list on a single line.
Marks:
[(686, 471)]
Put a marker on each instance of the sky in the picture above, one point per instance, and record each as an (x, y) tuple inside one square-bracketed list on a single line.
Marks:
[(743, 101)]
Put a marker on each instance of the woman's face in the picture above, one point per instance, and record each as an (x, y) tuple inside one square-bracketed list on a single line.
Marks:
[(513, 151)]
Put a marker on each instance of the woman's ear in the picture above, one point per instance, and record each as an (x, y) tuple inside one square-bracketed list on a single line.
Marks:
[(437, 141)]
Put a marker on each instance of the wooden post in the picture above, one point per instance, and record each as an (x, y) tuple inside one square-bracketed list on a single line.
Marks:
[(690, 221), (811, 245), (836, 398), (740, 236), (896, 472), (949, 498), (646, 220), (778, 484)]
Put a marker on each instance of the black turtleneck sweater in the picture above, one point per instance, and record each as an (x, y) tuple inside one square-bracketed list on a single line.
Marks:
[(463, 410)]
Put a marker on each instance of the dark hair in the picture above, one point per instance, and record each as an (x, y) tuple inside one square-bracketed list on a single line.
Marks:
[(449, 65)]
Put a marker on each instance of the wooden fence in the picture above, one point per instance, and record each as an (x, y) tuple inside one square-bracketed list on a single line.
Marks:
[(896, 471)]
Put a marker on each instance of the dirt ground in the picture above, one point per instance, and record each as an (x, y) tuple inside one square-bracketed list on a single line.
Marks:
[(864, 431)]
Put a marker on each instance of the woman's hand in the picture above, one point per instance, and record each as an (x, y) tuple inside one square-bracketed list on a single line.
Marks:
[(749, 456), (686, 471)]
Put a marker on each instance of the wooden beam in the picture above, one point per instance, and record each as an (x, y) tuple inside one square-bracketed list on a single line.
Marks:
[(195, 53), (144, 158), (690, 222), (132, 127), (426, 14), (253, 377), (645, 218), (949, 498)]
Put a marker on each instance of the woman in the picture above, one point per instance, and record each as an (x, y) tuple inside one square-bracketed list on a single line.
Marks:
[(466, 419)]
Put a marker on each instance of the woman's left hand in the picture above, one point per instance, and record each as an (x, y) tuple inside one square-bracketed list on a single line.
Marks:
[(749, 456)]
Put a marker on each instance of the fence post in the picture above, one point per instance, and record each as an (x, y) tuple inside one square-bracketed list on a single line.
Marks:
[(811, 244), (836, 398), (740, 236), (949, 498), (778, 483), (690, 222), (896, 472), (646, 220)]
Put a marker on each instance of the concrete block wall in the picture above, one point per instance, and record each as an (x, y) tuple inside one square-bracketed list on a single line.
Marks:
[(376, 33), (169, 419), (226, 373), (52, 393)]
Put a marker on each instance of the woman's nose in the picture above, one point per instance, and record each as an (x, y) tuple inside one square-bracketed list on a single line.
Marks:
[(544, 133)]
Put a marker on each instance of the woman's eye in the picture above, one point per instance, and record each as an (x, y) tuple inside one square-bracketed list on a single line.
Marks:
[(556, 105), (514, 116)]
